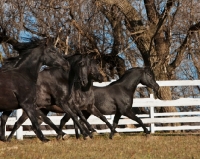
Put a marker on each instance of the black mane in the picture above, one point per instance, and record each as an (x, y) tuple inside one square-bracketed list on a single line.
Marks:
[(32, 43), (23, 50)]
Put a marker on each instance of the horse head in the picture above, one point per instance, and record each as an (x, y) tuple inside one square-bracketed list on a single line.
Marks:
[(148, 79), (52, 57), (96, 73)]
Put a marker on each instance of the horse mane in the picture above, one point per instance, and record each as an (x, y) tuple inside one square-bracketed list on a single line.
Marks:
[(31, 44), (71, 55), (23, 49), (134, 68), (129, 71)]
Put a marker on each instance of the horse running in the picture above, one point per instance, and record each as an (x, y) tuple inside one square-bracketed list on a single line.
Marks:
[(18, 80), (117, 98), (52, 84)]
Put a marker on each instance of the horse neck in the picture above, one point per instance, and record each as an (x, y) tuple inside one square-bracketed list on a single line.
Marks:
[(88, 87), (30, 66), (85, 89), (130, 81)]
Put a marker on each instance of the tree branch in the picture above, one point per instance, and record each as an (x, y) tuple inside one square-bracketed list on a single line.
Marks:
[(152, 13), (34, 32), (180, 51), (84, 33)]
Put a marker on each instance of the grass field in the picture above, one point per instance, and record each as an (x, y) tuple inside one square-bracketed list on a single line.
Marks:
[(128, 146)]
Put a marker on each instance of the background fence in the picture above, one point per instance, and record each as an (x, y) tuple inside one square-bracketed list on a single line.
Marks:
[(153, 119)]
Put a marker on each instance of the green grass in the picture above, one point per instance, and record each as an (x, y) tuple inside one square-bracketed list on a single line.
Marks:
[(128, 146)]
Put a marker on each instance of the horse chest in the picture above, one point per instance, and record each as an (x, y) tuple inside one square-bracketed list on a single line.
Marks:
[(82, 99)]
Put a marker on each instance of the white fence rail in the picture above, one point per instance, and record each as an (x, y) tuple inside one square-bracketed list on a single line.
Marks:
[(152, 118)]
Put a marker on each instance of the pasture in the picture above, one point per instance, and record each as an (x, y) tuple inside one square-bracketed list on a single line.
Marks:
[(128, 146)]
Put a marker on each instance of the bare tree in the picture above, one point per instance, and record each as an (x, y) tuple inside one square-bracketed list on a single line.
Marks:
[(124, 33)]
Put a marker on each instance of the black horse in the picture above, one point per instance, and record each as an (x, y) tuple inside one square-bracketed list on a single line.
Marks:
[(117, 98), (50, 94), (18, 80), (52, 86)]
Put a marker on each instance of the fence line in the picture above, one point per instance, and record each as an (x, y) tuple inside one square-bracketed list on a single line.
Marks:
[(152, 119)]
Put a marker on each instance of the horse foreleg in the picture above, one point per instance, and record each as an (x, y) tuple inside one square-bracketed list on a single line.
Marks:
[(4, 118), (74, 117), (60, 133), (93, 110), (130, 114), (84, 120), (64, 119)]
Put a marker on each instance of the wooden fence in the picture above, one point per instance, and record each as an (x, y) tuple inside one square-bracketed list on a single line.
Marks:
[(154, 119)]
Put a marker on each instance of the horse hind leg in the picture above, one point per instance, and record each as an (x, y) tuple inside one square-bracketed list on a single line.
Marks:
[(84, 120), (74, 117), (87, 115), (4, 118), (18, 123), (43, 116), (32, 113), (66, 118), (21, 120), (130, 114)]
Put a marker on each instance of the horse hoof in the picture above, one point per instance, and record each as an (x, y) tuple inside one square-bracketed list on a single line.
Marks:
[(77, 136), (8, 140), (91, 135), (117, 136), (65, 137), (95, 133), (45, 140), (87, 138), (59, 137), (3, 139)]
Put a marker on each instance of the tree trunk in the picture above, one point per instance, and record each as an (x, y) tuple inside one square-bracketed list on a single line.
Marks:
[(156, 56)]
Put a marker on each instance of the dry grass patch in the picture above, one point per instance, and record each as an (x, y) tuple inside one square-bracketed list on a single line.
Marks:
[(135, 146)]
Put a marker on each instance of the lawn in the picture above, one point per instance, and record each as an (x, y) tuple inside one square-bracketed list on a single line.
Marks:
[(128, 146)]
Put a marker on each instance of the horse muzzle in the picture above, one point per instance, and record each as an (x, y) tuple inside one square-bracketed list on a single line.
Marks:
[(157, 92), (84, 82)]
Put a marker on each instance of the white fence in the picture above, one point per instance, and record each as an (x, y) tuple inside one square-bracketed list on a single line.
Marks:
[(152, 118)]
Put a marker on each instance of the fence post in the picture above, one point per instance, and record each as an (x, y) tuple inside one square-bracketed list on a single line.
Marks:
[(19, 132), (112, 118), (152, 127)]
